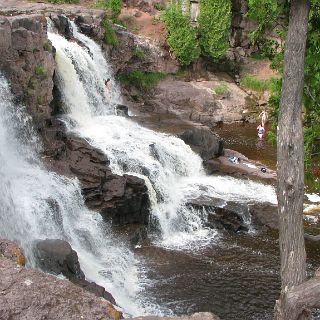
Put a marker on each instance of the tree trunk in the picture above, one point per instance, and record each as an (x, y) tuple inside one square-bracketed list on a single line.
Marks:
[(290, 154)]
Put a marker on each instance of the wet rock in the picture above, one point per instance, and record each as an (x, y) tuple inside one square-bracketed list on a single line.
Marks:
[(195, 316), (264, 215), (10, 250), (203, 141), (94, 288), (31, 294), (221, 215), (62, 24), (57, 257), (122, 110)]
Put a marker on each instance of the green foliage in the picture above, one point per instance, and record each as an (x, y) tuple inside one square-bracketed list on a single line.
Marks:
[(181, 37), (47, 46), (64, 1), (114, 6), (221, 89), (214, 27), (109, 36), (252, 83), (266, 12), (138, 53), (40, 71), (141, 80)]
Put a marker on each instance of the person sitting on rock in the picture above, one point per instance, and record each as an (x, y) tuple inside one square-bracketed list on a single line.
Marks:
[(261, 130)]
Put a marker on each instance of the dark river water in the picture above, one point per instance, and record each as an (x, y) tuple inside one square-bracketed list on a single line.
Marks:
[(235, 277)]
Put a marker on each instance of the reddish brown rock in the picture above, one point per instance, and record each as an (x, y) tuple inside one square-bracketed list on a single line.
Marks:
[(31, 294)]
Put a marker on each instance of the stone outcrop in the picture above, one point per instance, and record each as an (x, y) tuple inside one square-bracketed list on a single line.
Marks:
[(56, 256), (156, 58), (245, 168), (203, 141), (194, 100), (26, 58), (31, 294), (123, 199)]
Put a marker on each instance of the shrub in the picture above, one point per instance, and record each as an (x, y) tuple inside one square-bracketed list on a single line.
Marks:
[(109, 36), (181, 37), (141, 80), (114, 6), (214, 27), (40, 71)]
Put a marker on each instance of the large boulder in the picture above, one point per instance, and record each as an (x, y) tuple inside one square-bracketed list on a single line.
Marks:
[(56, 256), (31, 294), (203, 141), (264, 215)]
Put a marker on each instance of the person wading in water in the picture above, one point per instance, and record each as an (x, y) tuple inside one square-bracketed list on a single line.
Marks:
[(260, 130)]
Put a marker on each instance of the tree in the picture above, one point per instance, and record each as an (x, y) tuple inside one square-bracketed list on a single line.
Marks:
[(296, 294)]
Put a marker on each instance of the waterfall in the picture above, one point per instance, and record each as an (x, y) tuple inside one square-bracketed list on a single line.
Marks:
[(38, 204), (173, 173)]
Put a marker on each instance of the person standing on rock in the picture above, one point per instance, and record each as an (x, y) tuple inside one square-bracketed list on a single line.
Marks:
[(264, 117), (260, 130)]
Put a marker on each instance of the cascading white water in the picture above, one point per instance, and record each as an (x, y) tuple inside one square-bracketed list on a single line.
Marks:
[(173, 173), (37, 204)]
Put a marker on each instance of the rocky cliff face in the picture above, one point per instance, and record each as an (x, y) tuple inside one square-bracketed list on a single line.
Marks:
[(26, 56)]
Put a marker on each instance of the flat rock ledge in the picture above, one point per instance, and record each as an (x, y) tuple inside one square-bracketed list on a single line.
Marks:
[(31, 294)]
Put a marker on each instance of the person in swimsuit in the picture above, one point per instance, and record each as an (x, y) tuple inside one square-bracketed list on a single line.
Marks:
[(260, 131), (264, 117)]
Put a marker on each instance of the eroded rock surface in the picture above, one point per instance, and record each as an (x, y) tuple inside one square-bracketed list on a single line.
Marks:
[(10, 250), (196, 316), (31, 294)]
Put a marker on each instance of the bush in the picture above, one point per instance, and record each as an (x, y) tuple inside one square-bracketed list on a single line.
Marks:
[(181, 37), (159, 6), (141, 80), (109, 36), (47, 46), (40, 71), (214, 27)]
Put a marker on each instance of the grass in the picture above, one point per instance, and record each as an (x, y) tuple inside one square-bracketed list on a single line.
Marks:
[(40, 71), (252, 83), (140, 79), (221, 89)]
